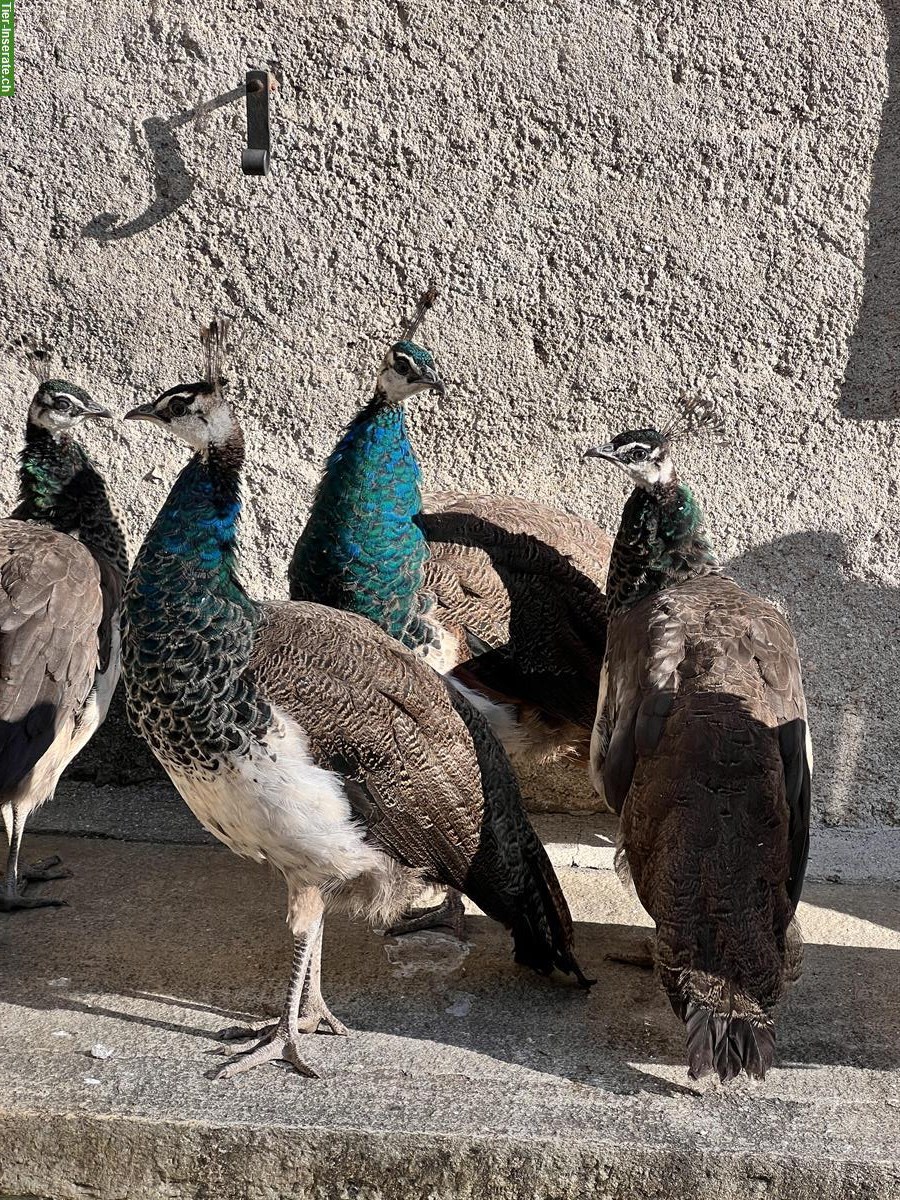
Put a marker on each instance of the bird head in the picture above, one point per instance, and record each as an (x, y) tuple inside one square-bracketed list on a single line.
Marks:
[(643, 454), (407, 369), (58, 406), (197, 413)]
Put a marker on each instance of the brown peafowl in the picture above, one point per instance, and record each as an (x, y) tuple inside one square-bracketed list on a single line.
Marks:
[(63, 562), (701, 745)]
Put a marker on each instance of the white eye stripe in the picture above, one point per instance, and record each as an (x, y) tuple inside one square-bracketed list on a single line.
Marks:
[(633, 446), (65, 396)]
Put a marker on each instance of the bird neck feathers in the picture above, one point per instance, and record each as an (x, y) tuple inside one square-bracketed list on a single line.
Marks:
[(361, 549), (196, 531), (60, 487), (661, 541), (189, 626)]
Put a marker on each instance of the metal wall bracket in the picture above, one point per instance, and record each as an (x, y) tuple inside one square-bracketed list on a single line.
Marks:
[(255, 159)]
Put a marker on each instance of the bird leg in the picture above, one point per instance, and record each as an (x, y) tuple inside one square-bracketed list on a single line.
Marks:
[(281, 1041), (11, 897), (314, 1012), (450, 912)]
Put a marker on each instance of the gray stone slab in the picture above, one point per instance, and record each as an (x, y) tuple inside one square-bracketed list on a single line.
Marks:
[(465, 1076)]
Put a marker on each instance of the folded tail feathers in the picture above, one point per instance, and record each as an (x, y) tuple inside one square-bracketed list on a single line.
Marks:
[(543, 932), (726, 1042)]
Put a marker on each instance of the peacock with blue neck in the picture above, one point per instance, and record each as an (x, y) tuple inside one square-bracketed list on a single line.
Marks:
[(362, 549), (189, 624)]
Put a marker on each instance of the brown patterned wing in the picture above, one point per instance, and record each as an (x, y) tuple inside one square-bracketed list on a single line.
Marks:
[(383, 719), (522, 584), (50, 615), (421, 769), (710, 638)]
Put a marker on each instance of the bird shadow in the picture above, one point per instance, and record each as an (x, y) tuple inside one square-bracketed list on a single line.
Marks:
[(113, 956), (173, 183), (869, 388), (846, 629)]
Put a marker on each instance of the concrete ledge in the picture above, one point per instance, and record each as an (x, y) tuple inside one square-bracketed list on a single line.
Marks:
[(465, 1076), (156, 813)]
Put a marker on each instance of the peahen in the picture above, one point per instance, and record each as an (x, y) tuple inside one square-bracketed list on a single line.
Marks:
[(306, 737), (701, 745), (503, 594), (63, 562)]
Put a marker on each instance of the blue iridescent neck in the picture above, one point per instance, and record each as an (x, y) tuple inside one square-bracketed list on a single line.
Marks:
[(362, 550), (662, 541), (191, 550)]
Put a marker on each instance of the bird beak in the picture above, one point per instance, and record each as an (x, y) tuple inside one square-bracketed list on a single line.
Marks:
[(143, 412), (434, 381), (608, 452), (96, 412)]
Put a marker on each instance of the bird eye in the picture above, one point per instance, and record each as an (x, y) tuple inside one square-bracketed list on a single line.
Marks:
[(177, 406), (61, 404), (638, 454), (402, 365)]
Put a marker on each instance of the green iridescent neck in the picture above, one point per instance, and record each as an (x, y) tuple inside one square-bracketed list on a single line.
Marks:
[(361, 549), (60, 487), (661, 542)]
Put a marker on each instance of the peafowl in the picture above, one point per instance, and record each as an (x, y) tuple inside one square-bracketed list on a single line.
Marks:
[(63, 562), (306, 737), (701, 745), (502, 593)]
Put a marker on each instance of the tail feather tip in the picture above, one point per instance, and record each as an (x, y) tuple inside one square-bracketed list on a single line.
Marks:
[(727, 1044)]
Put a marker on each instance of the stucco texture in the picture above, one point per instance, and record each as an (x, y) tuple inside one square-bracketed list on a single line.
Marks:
[(619, 200)]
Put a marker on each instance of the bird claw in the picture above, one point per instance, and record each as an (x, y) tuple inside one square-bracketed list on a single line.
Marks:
[(311, 1019), (449, 913), (277, 1046), (242, 1033)]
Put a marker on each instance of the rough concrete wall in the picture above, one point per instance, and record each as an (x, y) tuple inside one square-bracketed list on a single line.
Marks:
[(620, 199)]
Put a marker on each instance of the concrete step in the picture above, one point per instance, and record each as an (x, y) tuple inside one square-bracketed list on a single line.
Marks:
[(465, 1076)]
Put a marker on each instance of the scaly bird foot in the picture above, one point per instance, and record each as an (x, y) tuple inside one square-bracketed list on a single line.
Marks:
[(312, 1016), (40, 872), (276, 1046), (243, 1033), (450, 912)]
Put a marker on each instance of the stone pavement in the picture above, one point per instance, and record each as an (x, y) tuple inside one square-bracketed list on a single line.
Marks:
[(465, 1076)]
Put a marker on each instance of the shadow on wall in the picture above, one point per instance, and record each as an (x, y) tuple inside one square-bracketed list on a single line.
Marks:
[(871, 380), (172, 181), (848, 631)]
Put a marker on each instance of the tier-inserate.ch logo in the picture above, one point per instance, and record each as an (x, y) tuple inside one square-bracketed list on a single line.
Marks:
[(7, 48)]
